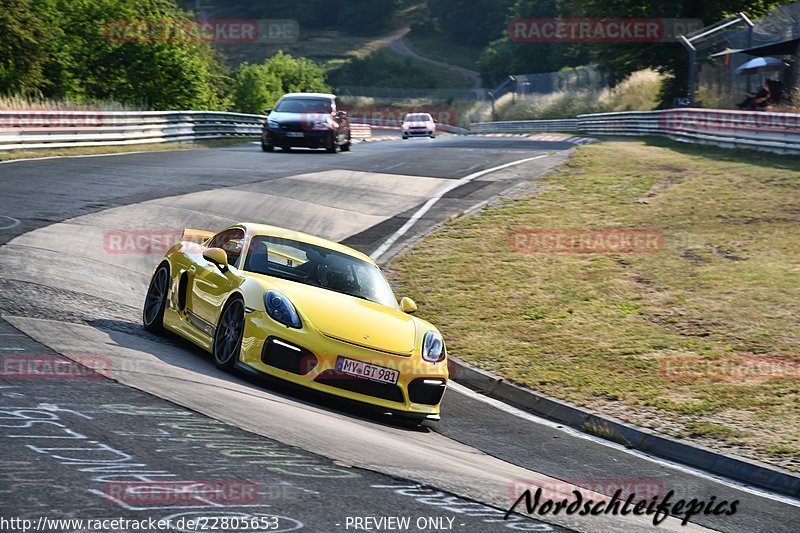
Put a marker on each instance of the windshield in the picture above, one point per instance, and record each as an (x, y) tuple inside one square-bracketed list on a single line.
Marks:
[(319, 267), (304, 105), (418, 118)]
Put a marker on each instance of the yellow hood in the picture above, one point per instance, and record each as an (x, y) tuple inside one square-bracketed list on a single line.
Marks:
[(351, 319)]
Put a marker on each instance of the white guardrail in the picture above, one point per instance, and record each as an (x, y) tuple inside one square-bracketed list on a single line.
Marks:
[(31, 129), (772, 132), (527, 126), (34, 129)]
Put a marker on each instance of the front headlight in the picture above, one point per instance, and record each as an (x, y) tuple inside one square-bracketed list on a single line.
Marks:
[(433, 347), (281, 310), (273, 124)]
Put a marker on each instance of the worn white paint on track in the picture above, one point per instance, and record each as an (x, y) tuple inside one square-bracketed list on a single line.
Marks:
[(383, 248)]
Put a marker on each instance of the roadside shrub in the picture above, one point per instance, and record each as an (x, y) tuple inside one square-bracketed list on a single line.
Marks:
[(638, 92), (256, 87)]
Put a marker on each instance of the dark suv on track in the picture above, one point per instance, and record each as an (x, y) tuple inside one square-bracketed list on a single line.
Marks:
[(308, 120)]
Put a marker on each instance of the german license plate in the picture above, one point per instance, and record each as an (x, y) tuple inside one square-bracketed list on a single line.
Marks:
[(364, 370), (295, 134)]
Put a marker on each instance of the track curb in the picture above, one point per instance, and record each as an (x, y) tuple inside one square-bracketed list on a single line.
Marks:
[(736, 468)]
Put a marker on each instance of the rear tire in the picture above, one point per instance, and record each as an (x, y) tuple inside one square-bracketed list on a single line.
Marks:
[(228, 336), (156, 301)]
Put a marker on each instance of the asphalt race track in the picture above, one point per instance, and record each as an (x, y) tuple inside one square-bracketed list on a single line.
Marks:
[(318, 463)]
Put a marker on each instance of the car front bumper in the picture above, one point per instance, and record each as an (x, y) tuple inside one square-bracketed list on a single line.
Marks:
[(307, 139), (307, 357), (418, 133)]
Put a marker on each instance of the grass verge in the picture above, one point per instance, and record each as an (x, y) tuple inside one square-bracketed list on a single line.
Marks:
[(11, 155), (604, 330), (433, 44), (385, 68)]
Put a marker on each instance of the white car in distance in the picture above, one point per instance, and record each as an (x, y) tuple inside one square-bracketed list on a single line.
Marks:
[(418, 125)]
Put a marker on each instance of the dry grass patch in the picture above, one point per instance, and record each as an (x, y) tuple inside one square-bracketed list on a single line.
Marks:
[(598, 329), (9, 155)]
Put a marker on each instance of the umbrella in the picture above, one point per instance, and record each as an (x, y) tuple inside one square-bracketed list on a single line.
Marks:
[(761, 64)]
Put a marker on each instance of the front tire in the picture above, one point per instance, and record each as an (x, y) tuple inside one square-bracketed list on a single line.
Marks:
[(330, 144), (156, 301), (228, 336), (267, 147)]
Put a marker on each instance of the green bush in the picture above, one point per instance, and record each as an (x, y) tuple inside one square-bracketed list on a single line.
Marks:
[(256, 87), (58, 49)]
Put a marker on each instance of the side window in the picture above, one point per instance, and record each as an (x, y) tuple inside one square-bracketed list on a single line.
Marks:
[(231, 241)]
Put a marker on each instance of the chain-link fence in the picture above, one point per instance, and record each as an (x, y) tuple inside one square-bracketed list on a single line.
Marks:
[(579, 78), (720, 86)]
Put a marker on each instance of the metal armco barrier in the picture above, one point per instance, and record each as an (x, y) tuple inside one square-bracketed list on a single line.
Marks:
[(771, 132), (31, 129), (527, 126)]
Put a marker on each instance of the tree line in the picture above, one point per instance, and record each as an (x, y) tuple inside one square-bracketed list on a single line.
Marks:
[(484, 23), (63, 50)]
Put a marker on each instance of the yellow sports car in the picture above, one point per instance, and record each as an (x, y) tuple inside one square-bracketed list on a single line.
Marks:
[(301, 308)]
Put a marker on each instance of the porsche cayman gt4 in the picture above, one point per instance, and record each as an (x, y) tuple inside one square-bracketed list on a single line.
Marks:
[(303, 309)]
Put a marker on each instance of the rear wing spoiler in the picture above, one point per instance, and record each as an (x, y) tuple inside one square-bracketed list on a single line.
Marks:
[(197, 235)]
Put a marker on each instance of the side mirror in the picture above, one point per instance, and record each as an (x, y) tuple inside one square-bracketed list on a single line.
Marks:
[(267, 111), (218, 257), (341, 114), (407, 305)]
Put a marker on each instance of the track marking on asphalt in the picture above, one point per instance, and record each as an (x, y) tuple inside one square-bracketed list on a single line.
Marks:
[(575, 433), (14, 222), (430, 203)]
